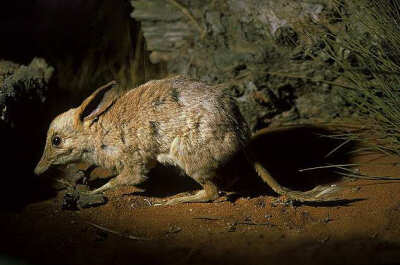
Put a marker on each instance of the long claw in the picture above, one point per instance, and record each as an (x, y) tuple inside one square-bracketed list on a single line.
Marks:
[(103, 188), (200, 196)]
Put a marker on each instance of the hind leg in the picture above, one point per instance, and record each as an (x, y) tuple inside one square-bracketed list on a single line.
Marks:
[(199, 170), (208, 193)]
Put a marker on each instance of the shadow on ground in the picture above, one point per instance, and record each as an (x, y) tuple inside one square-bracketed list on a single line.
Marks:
[(283, 153), (286, 151)]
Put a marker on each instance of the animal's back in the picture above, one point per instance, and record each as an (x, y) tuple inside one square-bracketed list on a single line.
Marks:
[(205, 119)]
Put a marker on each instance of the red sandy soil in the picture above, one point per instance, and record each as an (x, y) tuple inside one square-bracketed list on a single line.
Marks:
[(250, 228)]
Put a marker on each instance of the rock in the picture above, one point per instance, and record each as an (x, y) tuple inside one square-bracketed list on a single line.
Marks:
[(213, 19), (70, 201), (87, 200), (267, 45), (20, 84)]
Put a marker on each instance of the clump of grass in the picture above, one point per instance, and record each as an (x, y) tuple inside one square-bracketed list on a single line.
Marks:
[(367, 53)]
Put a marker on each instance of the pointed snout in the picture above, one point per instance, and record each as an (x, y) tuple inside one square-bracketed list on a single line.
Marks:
[(41, 167)]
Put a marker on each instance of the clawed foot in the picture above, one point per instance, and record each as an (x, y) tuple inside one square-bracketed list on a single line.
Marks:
[(175, 201), (75, 174), (111, 185), (201, 196), (103, 188)]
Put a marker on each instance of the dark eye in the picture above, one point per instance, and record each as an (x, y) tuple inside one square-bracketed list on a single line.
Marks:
[(56, 140)]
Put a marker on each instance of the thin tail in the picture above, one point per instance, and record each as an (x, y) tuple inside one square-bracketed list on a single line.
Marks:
[(318, 194)]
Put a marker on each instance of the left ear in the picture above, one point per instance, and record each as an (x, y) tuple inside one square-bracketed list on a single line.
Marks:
[(97, 103)]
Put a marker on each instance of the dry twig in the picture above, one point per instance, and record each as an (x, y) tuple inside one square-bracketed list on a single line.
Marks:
[(117, 233), (208, 218)]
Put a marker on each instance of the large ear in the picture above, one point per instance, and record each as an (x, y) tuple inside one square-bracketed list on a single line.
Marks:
[(97, 103)]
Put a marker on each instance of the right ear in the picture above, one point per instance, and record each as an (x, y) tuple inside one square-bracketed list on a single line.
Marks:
[(96, 104)]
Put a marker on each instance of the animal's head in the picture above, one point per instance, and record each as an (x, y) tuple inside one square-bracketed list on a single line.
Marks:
[(68, 137)]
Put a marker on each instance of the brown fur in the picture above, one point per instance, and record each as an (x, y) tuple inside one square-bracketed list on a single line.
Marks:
[(172, 121)]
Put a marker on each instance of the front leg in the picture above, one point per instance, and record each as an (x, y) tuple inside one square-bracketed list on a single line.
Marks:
[(130, 175), (74, 174)]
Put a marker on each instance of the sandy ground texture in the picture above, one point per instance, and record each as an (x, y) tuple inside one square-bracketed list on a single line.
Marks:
[(250, 226)]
